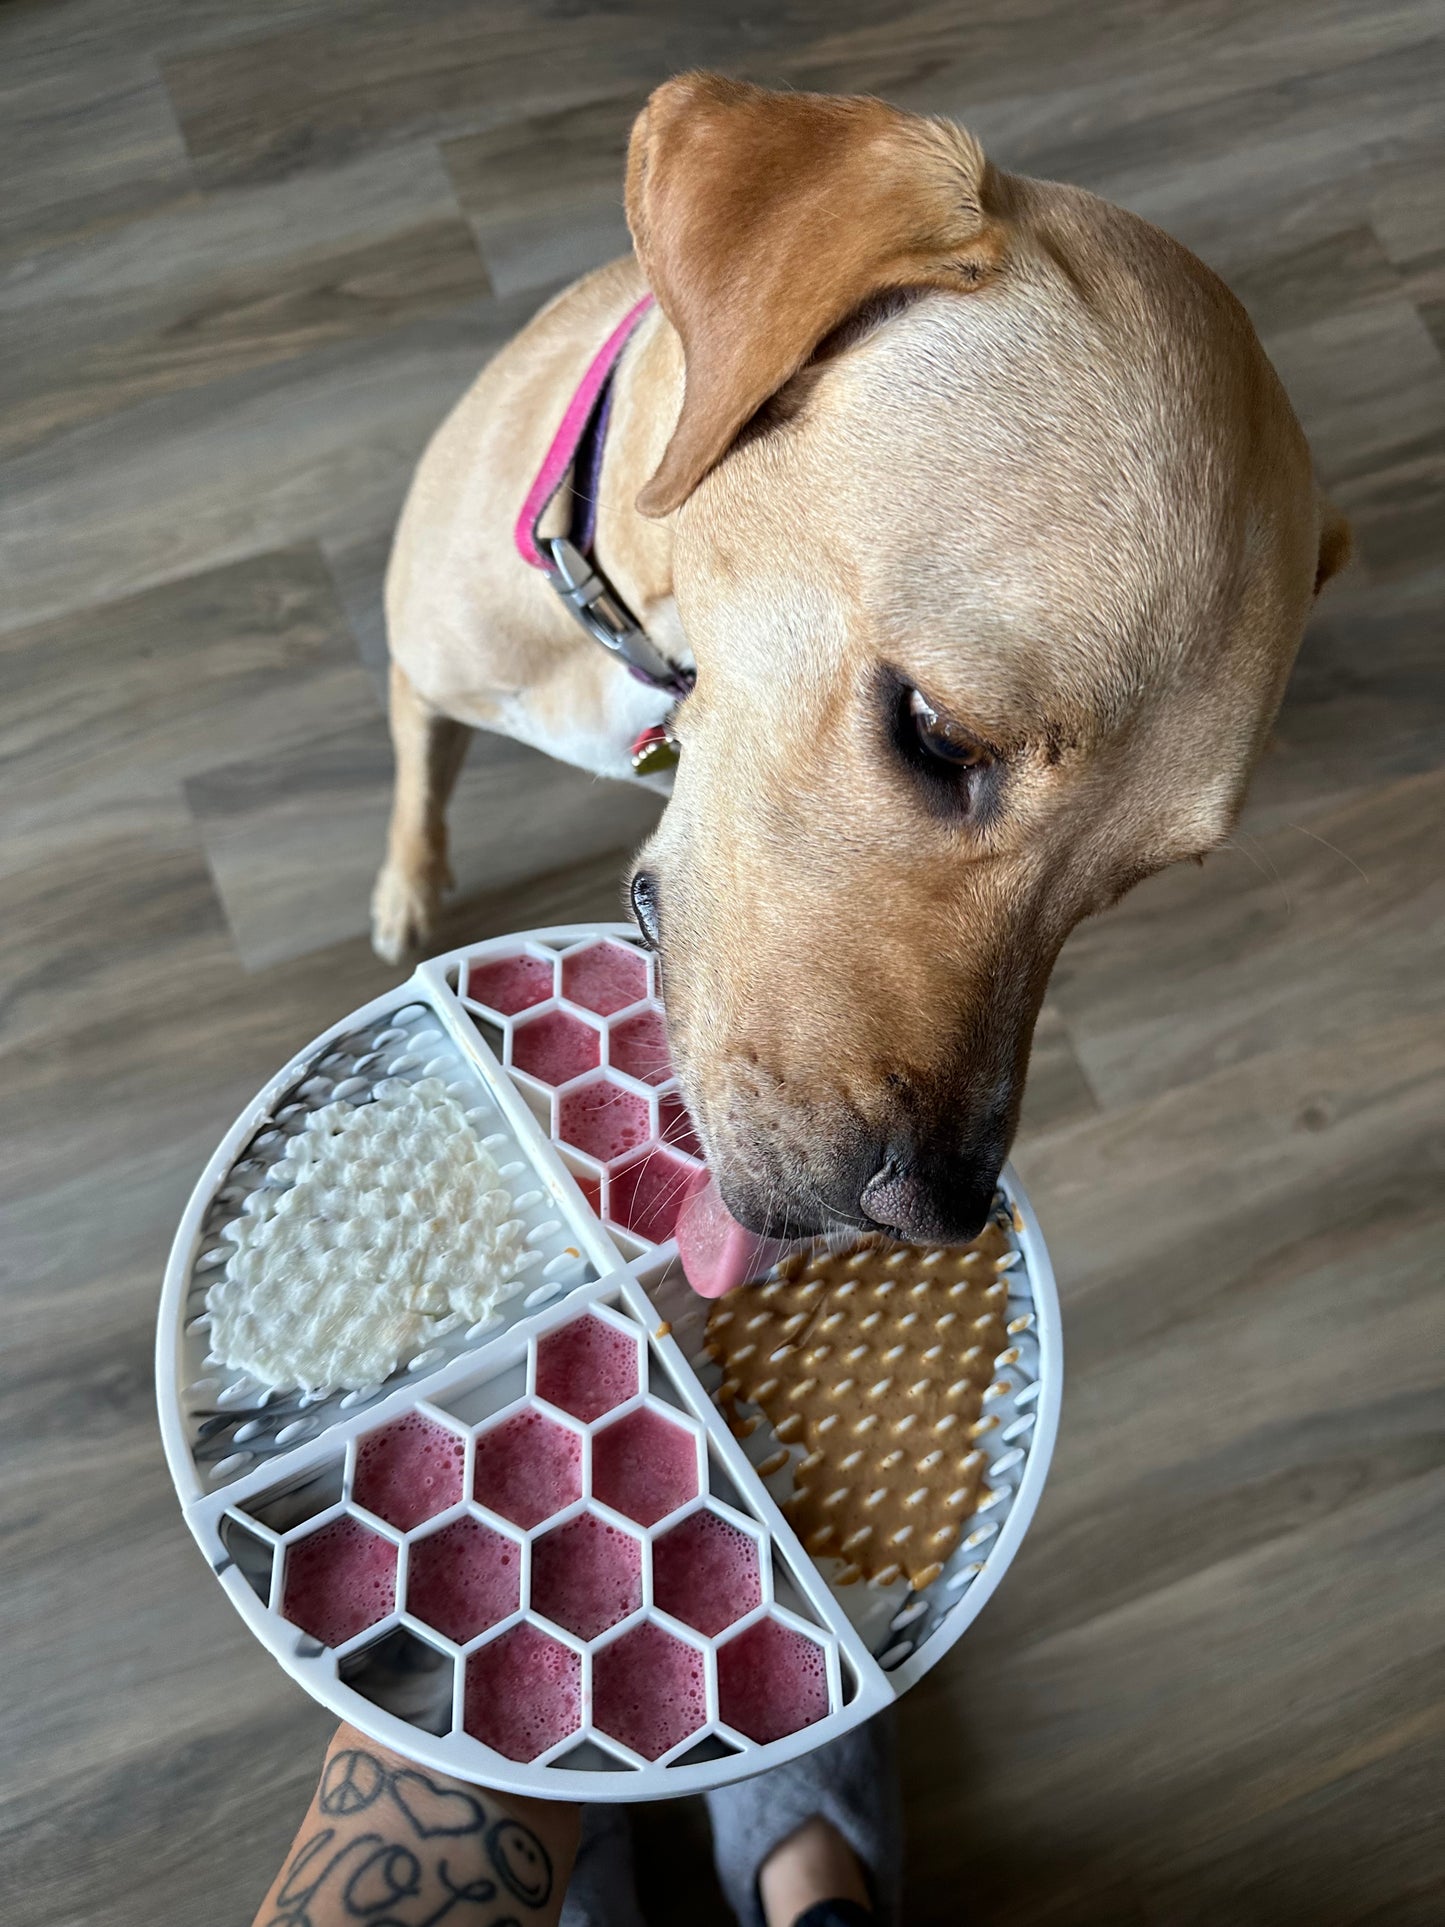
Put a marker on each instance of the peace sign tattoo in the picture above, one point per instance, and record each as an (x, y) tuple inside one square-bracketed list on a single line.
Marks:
[(353, 1780), (385, 1876)]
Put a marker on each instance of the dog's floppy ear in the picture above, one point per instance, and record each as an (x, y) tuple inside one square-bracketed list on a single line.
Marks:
[(763, 220)]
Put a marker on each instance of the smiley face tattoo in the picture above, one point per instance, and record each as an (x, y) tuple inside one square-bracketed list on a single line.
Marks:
[(397, 1849), (521, 1860)]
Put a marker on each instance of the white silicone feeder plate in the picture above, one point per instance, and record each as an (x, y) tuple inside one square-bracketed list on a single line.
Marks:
[(258, 1474)]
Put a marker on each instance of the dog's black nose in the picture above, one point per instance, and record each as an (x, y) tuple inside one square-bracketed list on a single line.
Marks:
[(927, 1197)]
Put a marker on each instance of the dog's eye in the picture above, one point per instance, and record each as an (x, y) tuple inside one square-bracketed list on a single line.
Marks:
[(645, 907), (955, 772), (942, 737)]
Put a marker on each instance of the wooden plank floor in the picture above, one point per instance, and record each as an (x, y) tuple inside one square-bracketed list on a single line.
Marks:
[(250, 250)]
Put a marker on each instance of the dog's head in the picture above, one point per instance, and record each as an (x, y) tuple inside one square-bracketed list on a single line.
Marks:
[(994, 539)]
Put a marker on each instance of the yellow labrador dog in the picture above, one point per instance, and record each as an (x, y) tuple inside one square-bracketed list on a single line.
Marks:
[(991, 535)]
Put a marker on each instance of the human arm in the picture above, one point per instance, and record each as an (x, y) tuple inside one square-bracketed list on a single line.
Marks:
[(386, 1843)]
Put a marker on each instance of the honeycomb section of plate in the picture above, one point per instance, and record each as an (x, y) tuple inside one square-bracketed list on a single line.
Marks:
[(581, 1033), (566, 1579)]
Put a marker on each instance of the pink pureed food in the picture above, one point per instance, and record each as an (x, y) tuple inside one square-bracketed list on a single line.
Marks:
[(646, 1195), (527, 1468), (644, 1466), (509, 984), (339, 1580), (605, 977), (638, 1046), (556, 1047), (647, 1691), (409, 1471), (603, 1120), (705, 1573), (523, 1693), (463, 1579), (771, 1681), (587, 1367), (586, 1575)]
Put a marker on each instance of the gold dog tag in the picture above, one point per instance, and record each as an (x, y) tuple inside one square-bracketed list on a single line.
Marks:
[(654, 752)]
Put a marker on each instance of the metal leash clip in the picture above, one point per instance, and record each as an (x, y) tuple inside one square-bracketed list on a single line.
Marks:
[(602, 613)]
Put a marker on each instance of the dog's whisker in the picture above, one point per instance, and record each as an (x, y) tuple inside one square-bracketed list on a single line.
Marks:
[(1317, 838), (1266, 870), (670, 1189)]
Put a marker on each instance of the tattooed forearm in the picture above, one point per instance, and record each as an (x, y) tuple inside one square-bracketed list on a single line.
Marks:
[(392, 1846)]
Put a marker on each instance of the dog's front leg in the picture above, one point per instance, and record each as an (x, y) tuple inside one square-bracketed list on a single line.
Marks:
[(430, 749)]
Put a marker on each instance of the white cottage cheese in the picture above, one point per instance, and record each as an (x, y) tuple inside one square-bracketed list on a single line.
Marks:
[(382, 1227)]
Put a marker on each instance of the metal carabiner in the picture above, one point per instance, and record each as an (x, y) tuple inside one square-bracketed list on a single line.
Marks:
[(597, 606)]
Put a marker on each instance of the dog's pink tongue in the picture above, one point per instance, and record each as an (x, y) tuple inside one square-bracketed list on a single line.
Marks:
[(716, 1252)]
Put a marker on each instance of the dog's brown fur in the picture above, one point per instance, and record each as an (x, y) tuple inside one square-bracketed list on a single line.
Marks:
[(896, 414)]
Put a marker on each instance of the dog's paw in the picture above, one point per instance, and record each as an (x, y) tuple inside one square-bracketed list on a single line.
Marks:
[(403, 913)]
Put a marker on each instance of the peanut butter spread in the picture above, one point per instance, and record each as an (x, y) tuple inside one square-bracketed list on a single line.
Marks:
[(876, 1361)]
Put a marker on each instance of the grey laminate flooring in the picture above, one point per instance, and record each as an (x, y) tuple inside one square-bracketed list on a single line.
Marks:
[(250, 251)]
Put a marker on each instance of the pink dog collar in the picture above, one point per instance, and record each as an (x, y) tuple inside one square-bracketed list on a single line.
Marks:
[(576, 450), (579, 417)]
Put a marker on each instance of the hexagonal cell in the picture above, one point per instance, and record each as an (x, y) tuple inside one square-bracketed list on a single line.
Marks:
[(638, 1046), (586, 1575), (409, 1471), (251, 1555), (648, 1691), (705, 1572), (555, 1047), (591, 1189), (644, 1466), (771, 1680), (299, 1499), (464, 1578), (527, 1468), (490, 1033), (587, 1367), (646, 1195), (509, 984), (404, 1676), (523, 1693), (675, 1125), (604, 977), (603, 1120), (338, 1580)]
